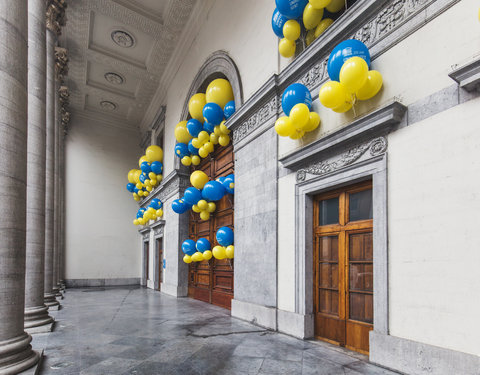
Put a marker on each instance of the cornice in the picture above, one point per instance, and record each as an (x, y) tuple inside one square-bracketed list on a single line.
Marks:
[(175, 182), (468, 75)]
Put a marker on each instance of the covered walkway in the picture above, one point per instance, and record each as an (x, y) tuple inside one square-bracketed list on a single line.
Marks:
[(140, 331)]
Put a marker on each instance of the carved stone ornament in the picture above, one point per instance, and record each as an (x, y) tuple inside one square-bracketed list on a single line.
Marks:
[(122, 38), (61, 63), (108, 105), (158, 230), (55, 15), (376, 147), (114, 78)]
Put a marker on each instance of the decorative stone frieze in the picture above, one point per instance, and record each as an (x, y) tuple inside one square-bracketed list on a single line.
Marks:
[(55, 15), (61, 64)]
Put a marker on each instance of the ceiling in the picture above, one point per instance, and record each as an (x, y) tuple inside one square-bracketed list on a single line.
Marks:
[(119, 51)]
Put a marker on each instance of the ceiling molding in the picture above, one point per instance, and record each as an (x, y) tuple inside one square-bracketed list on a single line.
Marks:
[(104, 120)]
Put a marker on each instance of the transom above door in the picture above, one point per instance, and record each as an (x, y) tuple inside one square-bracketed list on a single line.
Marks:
[(343, 266)]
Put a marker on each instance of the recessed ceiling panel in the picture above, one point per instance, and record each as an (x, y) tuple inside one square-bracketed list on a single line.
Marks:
[(109, 78), (106, 106)]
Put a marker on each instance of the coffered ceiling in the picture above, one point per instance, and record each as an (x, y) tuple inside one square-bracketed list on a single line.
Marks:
[(119, 50)]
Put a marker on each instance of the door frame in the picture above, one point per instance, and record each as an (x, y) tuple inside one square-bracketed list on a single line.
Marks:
[(375, 169)]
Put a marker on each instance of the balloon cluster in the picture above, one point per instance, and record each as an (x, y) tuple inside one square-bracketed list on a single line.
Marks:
[(152, 212), (198, 136), (296, 104), (142, 181), (351, 79), (201, 250), (289, 16), (202, 195)]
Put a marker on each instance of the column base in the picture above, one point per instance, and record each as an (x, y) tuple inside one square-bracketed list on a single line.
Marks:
[(16, 355), (51, 302), (37, 320)]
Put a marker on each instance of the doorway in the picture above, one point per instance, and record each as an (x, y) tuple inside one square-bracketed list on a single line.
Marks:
[(159, 243), (343, 266)]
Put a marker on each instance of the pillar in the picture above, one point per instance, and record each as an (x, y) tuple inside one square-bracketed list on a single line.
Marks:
[(16, 353), (36, 314)]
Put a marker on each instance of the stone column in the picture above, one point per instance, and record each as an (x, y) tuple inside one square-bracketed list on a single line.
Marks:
[(16, 353), (36, 314), (55, 19), (55, 283)]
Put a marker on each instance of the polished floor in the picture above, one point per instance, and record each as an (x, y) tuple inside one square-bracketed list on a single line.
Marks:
[(138, 331)]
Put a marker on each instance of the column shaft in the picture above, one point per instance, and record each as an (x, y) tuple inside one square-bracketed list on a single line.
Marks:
[(56, 194), (16, 354)]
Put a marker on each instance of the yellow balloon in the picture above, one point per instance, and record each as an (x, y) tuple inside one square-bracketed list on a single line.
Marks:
[(211, 207), (187, 259), (139, 185), (229, 251), (159, 212), (186, 161), (147, 216), (310, 37), (284, 127), (151, 210), (136, 176), (154, 153), (207, 255), (214, 138), (311, 16), (224, 140), (372, 86), (147, 183), (141, 160), (291, 30), (154, 216), (198, 256), (152, 176), (209, 146), (322, 26), (195, 160), (203, 152), (297, 134), (140, 193), (354, 73), (149, 188), (202, 204), (217, 131), (195, 106), (135, 222), (146, 193), (219, 252), (181, 133), (141, 221), (136, 197), (313, 122), (198, 179), (319, 4), (196, 143), (223, 128), (196, 209), (131, 176), (332, 94), (153, 182), (159, 178), (219, 91), (299, 115), (286, 48), (205, 215), (345, 107), (335, 6), (203, 137)]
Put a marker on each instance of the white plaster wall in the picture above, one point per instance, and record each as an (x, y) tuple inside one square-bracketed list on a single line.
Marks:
[(101, 240), (241, 28), (434, 213)]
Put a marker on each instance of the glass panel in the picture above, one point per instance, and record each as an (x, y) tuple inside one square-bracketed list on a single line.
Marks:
[(328, 211), (361, 205), (328, 274)]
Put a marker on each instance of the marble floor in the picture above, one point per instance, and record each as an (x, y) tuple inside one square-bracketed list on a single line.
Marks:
[(138, 331)]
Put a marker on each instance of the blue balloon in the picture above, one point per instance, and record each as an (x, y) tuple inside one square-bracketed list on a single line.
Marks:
[(220, 179), (213, 113), (142, 209), (213, 191), (192, 195), (130, 187), (156, 203), (139, 214), (294, 94), (229, 183), (194, 127), (192, 149), (143, 177), (203, 245), (291, 8), (179, 206), (278, 20), (145, 167), (181, 150), (229, 109), (225, 236), (209, 128), (342, 52), (135, 190), (156, 167), (188, 247)]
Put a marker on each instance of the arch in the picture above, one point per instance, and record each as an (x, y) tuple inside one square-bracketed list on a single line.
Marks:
[(218, 65)]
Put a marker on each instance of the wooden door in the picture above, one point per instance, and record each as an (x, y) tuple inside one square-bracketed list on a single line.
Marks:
[(160, 260), (343, 266), (212, 281), (146, 249)]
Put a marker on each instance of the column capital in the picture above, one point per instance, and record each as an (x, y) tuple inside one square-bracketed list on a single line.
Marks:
[(55, 15)]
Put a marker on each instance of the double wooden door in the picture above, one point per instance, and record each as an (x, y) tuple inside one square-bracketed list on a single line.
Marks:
[(212, 281), (343, 266), (160, 260)]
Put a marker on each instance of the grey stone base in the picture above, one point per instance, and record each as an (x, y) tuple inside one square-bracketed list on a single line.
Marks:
[(35, 370), (416, 358), (40, 329), (174, 290), (54, 307), (82, 283), (297, 325), (262, 316)]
